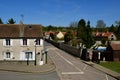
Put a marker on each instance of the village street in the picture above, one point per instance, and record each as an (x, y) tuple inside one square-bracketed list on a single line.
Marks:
[(7, 75), (67, 68), (71, 68)]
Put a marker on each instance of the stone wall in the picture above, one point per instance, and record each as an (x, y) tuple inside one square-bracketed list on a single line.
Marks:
[(10, 62)]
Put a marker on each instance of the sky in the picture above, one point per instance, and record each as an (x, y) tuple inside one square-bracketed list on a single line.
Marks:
[(60, 12)]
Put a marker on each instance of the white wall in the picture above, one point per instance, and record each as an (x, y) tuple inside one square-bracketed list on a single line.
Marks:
[(18, 51)]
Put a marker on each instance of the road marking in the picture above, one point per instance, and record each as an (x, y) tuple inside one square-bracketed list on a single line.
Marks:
[(85, 67), (70, 63), (106, 77), (65, 73)]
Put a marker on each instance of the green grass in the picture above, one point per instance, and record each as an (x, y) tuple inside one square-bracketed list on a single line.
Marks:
[(115, 66)]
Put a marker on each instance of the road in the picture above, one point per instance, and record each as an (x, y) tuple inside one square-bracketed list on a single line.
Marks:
[(6, 75), (71, 68)]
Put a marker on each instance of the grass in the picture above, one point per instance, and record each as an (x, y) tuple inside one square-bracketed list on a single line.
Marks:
[(115, 66)]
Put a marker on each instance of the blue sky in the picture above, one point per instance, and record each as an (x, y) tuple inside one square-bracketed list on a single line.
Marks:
[(60, 12)]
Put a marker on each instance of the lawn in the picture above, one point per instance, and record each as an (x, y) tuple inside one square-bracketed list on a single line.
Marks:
[(115, 66)]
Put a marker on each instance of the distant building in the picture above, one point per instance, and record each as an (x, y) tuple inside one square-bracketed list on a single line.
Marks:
[(17, 42), (47, 34), (116, 51), (106, 35), (60, 35)]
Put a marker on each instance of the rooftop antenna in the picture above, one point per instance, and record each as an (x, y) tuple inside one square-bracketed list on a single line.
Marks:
[(22, 26), (22, 18)]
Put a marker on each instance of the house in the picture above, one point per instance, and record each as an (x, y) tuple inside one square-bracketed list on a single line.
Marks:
[(60, 35), (116, 51), (106, 35), (21, 42), (47, 34)]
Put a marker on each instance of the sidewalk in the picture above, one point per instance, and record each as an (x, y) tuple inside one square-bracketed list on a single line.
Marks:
[(103, 69), (30, 68)]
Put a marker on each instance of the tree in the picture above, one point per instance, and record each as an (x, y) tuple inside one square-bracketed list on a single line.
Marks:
[(1, 22), (117, 23), (68, 36), (11, 21), (118, 32), (112, 28), (81, 29), (84, 32), (52, 36), (101, 25), (90, 40)]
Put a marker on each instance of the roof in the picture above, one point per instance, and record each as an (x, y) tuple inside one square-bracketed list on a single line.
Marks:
[(49, 32), (102, 34), (115, 46), (20, 30)]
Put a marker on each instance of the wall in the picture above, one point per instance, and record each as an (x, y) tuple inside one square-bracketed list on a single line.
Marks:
[(116, 55), (17, 49), (72, 50), (10, 62)]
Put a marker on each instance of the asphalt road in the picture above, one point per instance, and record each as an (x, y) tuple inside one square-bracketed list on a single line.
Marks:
[(70, 68), (5, 75)]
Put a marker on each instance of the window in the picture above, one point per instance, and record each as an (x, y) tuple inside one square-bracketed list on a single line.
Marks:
[(8, 55), (28, 55), (7, 42), (25, 42), (38, 42)]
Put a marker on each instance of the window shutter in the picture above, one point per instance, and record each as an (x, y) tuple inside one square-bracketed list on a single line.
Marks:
[(11, 42), (28, 42), (4, 42), (41, 42), (21, 42), (11, 55)]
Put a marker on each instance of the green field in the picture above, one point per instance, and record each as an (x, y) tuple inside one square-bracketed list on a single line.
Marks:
[(115, 66)]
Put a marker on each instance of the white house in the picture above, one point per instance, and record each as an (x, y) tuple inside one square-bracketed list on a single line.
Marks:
[(21, 42)]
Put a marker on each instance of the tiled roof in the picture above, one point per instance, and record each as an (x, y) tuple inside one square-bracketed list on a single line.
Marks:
[(50, 32), (102, 34), (115, 46), (15, 30)]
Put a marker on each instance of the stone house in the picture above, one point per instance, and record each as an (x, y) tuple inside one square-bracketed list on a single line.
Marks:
[(21, 42)]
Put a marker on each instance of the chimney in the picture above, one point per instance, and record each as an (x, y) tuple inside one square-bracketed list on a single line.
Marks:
[(21, 29)]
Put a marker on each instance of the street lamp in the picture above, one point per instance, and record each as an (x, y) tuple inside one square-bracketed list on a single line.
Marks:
[(46, 52), (35, 52)]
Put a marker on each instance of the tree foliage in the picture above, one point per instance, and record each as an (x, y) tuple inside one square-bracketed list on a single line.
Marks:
[(117, 23), (81, 28), (90, 40), (11, 21), (68, 36), (1, 22), (84, 32), (101, 25), (111, 28)]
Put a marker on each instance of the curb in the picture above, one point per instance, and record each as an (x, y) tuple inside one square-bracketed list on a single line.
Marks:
[(103, 69), (44, 69)]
